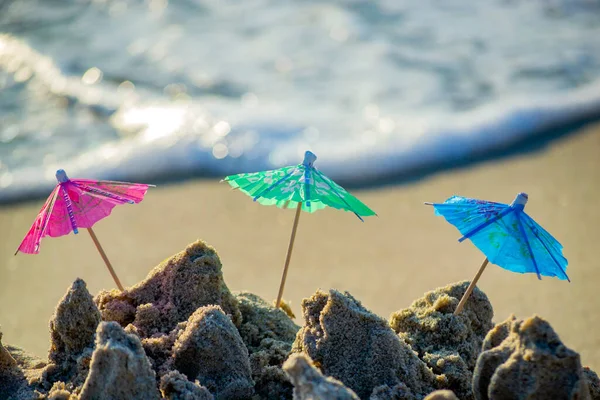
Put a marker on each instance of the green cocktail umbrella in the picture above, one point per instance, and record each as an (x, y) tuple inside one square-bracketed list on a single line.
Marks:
[(302, 187)]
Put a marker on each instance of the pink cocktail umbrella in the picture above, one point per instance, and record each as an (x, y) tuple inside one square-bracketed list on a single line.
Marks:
[(80, 203)]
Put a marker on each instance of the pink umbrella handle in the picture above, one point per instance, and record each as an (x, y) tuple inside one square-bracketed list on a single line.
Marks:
[(105, 258)]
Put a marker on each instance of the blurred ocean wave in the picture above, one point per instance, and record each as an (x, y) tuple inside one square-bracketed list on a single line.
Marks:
[(141, 90)]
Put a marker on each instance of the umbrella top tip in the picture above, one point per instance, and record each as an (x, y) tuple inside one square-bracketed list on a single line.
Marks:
[(61, 176), (520, 200), (309, 158)]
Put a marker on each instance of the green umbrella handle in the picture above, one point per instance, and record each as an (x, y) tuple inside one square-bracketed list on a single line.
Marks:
[(105, 258), (289, 255), (472, 285)]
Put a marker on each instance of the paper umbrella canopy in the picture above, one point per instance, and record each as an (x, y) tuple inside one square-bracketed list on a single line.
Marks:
[(79, 203), (302, 187)]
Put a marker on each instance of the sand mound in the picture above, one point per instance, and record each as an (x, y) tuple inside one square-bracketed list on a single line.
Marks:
[(355, 346), (182, 335), (449, 344), (171, 293), (525, 359)]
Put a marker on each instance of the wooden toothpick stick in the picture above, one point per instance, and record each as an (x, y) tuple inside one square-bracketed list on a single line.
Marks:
[(105, 258), (472, 285), (289, 255)]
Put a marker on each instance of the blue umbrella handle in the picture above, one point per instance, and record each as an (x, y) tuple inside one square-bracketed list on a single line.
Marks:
[(472, 285)]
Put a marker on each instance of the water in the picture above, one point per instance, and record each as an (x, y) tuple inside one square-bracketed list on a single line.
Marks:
[(145, 90)]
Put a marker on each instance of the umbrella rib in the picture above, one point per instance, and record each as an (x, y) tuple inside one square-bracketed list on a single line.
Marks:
[(428, 203), (69, 206), (102, 193), (119, 183), (524, 234), (337, 194), (101, 198), (485, 224), (547, 250), (307, 171), (280, 181), (49, 212)]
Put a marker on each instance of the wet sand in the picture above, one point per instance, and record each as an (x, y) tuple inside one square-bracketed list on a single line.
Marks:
[(386, 262)]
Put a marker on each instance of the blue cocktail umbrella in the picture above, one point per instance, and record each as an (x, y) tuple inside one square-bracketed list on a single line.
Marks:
[(506, 235)]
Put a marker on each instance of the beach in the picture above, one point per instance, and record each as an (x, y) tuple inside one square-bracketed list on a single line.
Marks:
[(385, 262)]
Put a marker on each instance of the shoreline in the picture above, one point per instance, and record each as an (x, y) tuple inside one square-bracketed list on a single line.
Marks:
[(535, 142), (386, 262)]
